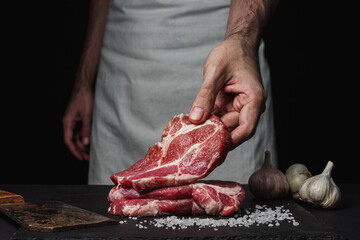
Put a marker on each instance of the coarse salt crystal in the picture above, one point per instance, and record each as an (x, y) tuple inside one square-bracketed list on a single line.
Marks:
[(257, 216), (295, 223)]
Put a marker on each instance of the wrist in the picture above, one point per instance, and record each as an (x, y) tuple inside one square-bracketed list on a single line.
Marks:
[(85, 76), (244, 47), (82, 85)]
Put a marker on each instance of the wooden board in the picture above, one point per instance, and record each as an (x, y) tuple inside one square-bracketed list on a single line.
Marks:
[(53, 216), (8, 197)]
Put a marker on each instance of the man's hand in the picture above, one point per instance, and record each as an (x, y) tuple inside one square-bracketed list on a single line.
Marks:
[(231, 89), (77, 123)]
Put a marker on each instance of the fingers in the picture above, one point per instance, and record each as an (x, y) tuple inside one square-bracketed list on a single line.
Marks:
[(204, 102), (77, 122), (231, 120), (248, 119), (86, 130), (202, 106), (81, 147), (85, 137), (69, 137), (77, 138)]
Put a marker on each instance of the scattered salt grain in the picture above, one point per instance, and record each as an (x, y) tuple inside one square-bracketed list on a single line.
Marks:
[(256, 216)]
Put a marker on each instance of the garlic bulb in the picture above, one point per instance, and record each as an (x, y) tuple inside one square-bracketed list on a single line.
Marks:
[(268, 182), (296, 174), (321, 190)]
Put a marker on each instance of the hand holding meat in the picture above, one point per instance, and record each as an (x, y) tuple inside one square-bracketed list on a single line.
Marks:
[(232, 89)]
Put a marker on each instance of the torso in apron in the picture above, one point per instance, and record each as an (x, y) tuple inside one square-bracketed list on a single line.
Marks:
[(151, 69)]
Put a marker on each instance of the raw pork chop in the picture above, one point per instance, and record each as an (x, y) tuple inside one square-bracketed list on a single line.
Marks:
[(210, 197), (218, 198), (154, 207), (120, 193), (187, 152)]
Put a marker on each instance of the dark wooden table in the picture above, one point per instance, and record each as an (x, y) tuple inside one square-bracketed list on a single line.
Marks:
[(343, 220)]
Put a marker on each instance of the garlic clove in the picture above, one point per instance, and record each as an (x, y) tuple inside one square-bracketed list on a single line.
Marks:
[(268, 182), (296, 175), (321, 190), (334, 196), (314, 190)]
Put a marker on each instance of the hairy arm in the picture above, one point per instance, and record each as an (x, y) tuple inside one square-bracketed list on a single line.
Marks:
[(90, 57), (247, 19), (78, 114)]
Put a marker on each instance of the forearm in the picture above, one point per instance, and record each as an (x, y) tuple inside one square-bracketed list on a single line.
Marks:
[(90, 56), (247, 19)]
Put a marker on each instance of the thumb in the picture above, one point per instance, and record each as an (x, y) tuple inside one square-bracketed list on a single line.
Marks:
[(86, 130), (205, 100)]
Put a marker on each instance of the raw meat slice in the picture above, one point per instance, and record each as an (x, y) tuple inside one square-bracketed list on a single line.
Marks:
[(187, 152), (169, 193), (154, 207), (214, 197), (218, 198)]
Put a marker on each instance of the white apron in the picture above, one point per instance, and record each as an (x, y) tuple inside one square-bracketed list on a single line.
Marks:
[(151, 69)]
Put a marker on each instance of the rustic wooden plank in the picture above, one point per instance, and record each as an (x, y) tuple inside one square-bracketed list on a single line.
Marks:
[(8, 197), (53, 216)]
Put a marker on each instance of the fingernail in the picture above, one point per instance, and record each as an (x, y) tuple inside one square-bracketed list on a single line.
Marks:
[(86, 141), (197, 113)]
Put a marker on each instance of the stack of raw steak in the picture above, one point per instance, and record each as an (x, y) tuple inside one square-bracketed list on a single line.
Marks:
[(165, 182)]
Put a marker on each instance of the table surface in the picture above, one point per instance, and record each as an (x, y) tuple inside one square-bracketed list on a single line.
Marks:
[(343, 219)]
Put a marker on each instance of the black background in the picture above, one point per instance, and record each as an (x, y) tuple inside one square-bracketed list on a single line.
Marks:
[(312, 51)]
